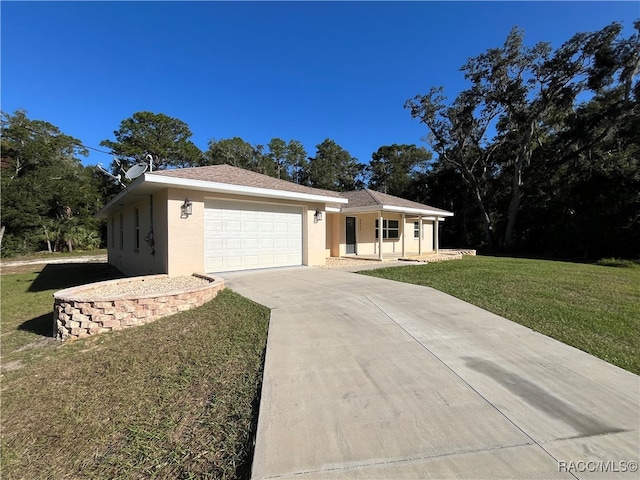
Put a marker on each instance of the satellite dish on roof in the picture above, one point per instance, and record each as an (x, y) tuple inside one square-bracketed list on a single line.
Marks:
[(135, 171)]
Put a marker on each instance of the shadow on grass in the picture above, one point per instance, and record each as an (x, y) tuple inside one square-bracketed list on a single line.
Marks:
[(65, 275), (42, 325)]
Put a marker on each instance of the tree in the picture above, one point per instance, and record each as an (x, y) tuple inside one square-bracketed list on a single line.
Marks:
[(278, 155), (536, 88), (296, 161), (31, 144), (588, 202), (289, 159), (394, 167), (529, 97), (458, 134), (233, 151), (47, 189), (333, 168), (156, 134)]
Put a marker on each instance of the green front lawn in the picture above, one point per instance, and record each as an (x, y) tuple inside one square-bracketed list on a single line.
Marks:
[(594, 308), (172, 399)]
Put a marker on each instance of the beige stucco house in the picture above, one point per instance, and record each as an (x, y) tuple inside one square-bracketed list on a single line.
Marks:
[(222, 218)]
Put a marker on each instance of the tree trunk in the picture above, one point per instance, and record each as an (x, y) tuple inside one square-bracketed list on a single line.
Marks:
[(488, 226), (1, 234), (46, 234), (524, 157), (514, 208)]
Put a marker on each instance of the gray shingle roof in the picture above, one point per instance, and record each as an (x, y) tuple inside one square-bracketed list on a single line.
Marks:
[(371, 198), (231, 175)]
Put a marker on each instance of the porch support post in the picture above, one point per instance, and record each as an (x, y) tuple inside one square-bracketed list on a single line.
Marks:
[(380, 235), (419, 235), (403, 229), (436, 225)]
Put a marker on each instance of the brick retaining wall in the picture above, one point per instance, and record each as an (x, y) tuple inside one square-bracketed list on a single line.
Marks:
[(461, 251), (76, 315)]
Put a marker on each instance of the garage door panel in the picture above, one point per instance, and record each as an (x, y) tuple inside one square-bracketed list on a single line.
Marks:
[(266, 243), (213, 226), (240, 235), (213, 244), (232, 243), (251, 261), (250, 226), (250, 243)]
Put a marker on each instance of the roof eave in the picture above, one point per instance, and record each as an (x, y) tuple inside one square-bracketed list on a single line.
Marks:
[(418, 211), (391, 208), (217, 187), (157, 182)]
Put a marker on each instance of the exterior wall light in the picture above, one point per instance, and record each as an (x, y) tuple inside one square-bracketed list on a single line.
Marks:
[(186, 209), (317, 217)]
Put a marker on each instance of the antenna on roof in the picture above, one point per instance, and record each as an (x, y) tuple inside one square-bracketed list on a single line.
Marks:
[(131, 174), (117, 177)]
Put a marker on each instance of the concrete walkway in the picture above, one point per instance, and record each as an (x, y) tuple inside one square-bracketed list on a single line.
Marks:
[(369, 378)]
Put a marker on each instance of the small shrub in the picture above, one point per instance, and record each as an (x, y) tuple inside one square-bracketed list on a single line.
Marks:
[(618, 262)]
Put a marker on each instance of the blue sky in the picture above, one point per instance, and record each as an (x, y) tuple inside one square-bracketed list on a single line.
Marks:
[(294, 70)]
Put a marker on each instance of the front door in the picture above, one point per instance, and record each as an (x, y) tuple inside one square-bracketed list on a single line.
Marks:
[(351, 235)]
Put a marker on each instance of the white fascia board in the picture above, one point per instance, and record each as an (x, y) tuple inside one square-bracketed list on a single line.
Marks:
[(332, 210), (240, 189), (424, 219), (389, 208), (103, 212), (418, 211)]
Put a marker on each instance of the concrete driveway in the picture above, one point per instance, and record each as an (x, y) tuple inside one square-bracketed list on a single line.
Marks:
[(369, 378)]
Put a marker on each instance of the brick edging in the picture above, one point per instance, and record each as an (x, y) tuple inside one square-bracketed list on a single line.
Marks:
[(76, 315)]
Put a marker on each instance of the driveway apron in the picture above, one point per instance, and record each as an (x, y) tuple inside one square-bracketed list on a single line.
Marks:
[(371, 378)]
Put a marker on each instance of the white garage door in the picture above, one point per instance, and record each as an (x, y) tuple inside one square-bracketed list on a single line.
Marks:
[(242, 236)]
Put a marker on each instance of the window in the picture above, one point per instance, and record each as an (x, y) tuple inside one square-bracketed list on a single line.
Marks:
[(389, 229), (121, 231), (136, 229), (416, 230)]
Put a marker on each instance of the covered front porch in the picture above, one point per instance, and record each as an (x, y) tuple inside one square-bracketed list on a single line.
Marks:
[(378, 226), (382, 236)]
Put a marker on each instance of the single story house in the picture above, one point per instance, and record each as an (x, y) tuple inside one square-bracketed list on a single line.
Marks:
[(222, 218)]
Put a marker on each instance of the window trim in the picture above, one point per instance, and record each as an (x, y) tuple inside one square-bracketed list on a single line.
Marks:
[(416, 229), (390, 229)]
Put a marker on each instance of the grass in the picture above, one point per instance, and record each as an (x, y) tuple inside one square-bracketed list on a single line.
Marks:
[(594, 308), (27, 301), (618, 262), (176, 398)]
